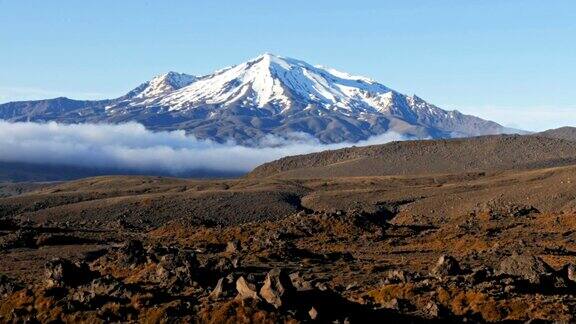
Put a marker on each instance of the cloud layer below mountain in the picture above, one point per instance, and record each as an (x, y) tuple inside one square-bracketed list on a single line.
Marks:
[(132, 147)]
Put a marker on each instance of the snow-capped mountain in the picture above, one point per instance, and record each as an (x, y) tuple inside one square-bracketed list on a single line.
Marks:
[(266, 95), (162, 85), (280, 84)]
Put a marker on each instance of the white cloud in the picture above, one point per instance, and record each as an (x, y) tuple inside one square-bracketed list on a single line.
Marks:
[(131, 146)]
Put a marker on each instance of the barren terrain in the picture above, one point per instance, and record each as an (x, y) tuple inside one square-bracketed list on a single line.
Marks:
[(484, 238)]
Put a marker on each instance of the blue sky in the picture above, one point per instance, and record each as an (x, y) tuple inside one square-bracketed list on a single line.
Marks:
[(511, 61)]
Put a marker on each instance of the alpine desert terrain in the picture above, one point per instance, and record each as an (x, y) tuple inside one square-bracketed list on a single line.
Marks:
[(479, 230)]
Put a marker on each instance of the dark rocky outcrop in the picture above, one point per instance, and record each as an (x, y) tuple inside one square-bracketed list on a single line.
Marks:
[(528, 267)]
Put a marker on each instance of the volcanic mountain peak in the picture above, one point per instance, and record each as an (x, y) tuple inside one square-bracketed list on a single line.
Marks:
[(278, 82), (267, 95), (166, 83), (285, 85)]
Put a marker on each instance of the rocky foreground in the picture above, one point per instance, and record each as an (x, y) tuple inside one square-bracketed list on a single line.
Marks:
[(501, 264)]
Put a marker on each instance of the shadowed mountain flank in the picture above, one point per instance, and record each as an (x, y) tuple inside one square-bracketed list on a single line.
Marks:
[(490, 153)]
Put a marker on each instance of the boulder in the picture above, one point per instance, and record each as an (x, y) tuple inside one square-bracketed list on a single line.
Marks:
[(432, 309), (313, 313), (277, 288), (7, 286), (232, 246), (446, 266), (299, 282), (392, 304), (236, 263), (351, 286), (63, 273), (480, 274), (132, 253), (177, 268), (106, 288), (246, 289), (223, 288), (526, 266), (571, 273), (25, 238), (397, 276), (218, 291), (224, 265)]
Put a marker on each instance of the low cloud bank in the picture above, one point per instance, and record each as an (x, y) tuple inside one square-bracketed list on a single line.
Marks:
[(132, 147)]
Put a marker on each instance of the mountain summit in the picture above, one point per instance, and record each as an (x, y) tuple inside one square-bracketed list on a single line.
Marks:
[(163, 84), (269, 94)]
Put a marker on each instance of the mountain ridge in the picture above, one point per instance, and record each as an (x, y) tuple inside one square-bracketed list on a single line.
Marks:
[(442, 156), (266, 95), (566, 133)]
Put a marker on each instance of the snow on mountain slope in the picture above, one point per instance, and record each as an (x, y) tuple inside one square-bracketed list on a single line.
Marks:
[(285, 85), (166, 83), (269, 95), (276, 81), (162, 85)]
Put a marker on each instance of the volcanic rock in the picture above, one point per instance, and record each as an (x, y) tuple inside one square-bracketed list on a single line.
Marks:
[(396, 276), (177, 269), (20, 239), (432, 309), (313, 313), (246, 289), (277, 287), (446, 266), (232, 247), (132, 253), (528, 267), (103, 288), (63, 273), (571, 272), (218, 290), (299, 282), (7, 286)]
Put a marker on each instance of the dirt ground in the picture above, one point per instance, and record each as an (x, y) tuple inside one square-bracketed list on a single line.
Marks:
[(474, 246)]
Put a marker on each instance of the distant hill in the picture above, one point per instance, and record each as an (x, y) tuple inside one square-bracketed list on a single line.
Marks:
[(8, 189), (487, 153), (567, 133), (28, 172)]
